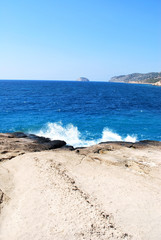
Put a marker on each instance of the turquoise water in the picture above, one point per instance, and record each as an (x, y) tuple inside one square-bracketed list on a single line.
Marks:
[(81, 113)]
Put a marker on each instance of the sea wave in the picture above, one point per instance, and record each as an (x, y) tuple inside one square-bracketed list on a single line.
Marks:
[(73, 136)]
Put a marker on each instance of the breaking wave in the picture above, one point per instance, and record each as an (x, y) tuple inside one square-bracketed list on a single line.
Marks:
[(72, 136)]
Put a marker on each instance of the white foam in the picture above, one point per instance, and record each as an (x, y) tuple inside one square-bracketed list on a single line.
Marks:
[(108, 135), (71, 135), (56, 131), (130, 138)]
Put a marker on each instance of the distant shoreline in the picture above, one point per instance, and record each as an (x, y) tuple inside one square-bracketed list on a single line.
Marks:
[(144, 83), (153, 78)]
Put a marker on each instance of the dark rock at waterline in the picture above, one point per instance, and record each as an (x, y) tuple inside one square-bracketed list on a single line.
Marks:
[(38, 139), (18, 143), (49, 144), (147, 143), (105, 147), (55, 144), (68, 147), (31, 136), (19, 135), (140, 144)]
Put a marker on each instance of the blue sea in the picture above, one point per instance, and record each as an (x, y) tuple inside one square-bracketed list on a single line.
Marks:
[(81, 113)]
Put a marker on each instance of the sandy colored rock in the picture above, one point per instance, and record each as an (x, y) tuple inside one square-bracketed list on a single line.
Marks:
[(107, 191), (158, 83)]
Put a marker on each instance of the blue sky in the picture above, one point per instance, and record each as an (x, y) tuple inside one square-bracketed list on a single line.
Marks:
[(66, 39)]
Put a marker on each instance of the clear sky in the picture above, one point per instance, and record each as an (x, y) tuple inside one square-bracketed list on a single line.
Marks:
[(66, 39)]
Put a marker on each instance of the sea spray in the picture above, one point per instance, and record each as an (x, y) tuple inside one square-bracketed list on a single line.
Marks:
[(72, 136), (109, 135)]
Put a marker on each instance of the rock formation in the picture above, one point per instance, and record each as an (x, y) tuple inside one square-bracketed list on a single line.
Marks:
[(107, 191), (157, 83), (83, 79)]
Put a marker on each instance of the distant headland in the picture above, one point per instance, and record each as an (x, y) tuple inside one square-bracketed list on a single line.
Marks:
[(83, 79), (140, 78)]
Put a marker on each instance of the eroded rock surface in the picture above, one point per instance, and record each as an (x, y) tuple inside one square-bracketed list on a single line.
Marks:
[(107, 191), (12, 145)]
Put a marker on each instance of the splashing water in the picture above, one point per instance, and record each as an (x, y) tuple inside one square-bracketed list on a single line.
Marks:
[(72, 136)]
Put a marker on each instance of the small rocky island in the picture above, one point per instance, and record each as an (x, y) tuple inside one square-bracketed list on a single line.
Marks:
[(83, 79)]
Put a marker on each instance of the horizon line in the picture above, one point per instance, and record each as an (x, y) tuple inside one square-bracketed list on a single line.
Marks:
[(65, 80)]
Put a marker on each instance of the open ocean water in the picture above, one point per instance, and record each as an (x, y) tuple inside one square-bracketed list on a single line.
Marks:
[(81, 113)]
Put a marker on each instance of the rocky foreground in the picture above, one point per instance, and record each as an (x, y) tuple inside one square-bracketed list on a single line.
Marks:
[(51, 191)]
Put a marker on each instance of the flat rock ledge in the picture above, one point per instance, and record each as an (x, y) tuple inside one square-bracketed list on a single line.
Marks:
[(49, 190), (18, 143)]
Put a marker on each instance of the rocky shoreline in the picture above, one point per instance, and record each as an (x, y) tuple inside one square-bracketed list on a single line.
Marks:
[(153, 78), (49, 190), (157, 83)]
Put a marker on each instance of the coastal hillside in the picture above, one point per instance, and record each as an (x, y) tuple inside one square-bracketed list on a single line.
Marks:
[(147, 78)]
